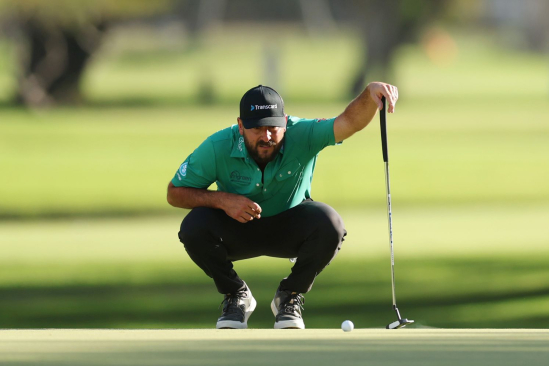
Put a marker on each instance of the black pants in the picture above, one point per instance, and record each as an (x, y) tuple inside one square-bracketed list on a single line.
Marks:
[(312, 231)]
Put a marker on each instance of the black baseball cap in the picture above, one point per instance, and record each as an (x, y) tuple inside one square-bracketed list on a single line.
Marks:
[(262, 106)]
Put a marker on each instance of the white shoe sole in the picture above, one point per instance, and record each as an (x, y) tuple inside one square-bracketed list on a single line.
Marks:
[(286, 324), (231, 324)]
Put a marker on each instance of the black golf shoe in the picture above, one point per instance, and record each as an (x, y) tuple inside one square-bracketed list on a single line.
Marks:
[(237, 308), (286, 307)]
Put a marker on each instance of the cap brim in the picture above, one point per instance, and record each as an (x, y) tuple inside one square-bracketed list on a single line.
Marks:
[(265, 121)]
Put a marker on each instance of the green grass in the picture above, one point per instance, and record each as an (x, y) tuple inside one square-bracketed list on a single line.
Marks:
[(229, 61), (310, 69), (119, 161), (266, 347), (472, 131), (136, 68), (458, 268), (88, 240)]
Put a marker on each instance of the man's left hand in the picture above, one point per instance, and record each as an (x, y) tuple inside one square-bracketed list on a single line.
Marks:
[(377, 90)]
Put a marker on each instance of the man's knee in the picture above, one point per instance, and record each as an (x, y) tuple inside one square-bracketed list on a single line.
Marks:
[(196, 226), (328, 222), (327, 232)]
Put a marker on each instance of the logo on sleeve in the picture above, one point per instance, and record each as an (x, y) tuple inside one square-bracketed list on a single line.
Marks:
[(183, 169)]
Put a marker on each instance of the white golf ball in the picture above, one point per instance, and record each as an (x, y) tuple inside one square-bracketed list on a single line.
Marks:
[(347, 326)]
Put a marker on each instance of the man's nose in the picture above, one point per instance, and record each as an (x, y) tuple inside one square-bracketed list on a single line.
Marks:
[(266, 135)]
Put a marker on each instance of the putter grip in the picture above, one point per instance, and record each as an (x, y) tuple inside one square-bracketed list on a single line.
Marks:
[(383, 125)]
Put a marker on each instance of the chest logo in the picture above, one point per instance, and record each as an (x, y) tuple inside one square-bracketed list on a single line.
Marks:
[(236, 177)]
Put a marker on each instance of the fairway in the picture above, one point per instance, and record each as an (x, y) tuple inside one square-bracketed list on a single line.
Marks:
[(271, 347)]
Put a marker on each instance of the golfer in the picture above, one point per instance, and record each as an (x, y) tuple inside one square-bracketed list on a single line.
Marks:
[(263, 167)]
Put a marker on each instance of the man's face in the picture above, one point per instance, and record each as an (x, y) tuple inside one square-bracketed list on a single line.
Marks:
[(262, 143)]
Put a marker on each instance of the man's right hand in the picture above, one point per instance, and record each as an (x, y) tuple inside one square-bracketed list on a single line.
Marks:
[(240, 208), (236, 206)]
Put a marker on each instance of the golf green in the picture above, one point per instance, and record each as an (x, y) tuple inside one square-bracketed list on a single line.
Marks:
[(271, 347)]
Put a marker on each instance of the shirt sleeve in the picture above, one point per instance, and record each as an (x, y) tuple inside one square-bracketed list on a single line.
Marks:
[(321, 134), (199, 169)]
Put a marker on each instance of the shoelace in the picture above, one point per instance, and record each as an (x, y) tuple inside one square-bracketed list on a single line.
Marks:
[(232, 300), (295, 302)]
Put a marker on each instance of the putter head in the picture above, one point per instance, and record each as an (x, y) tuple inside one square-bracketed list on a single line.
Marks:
[(401, 323)]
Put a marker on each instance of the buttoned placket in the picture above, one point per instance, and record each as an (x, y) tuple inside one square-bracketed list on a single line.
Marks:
[(258, 182), (266, 176)]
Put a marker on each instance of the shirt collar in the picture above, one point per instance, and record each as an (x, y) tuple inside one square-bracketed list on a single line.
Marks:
[(239, 148)]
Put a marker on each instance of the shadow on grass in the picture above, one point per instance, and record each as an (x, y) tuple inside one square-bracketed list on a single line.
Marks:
[(76, 215), (440, 292)]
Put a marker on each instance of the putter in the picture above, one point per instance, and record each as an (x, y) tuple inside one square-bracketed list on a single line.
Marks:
[(400, 323)]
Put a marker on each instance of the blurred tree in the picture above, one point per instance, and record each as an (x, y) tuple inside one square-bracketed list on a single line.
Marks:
[(199, 15), (56, 38), (528, 20), (384, 26)]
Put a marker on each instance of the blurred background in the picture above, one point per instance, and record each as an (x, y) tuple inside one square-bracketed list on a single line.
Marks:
[(101, 101)]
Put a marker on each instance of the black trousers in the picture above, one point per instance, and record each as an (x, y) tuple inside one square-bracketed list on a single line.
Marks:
[(312, 231)]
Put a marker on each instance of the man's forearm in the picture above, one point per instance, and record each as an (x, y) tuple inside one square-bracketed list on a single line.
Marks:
[(185, 197), (363, 108), (360, 111)]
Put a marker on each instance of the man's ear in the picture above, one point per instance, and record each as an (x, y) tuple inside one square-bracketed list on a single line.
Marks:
[(240, 126)]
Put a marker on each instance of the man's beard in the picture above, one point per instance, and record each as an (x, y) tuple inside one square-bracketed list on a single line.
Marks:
[(253, 150)]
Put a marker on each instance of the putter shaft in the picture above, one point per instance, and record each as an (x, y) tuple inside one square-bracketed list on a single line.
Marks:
[(400, 323), (390, 220)]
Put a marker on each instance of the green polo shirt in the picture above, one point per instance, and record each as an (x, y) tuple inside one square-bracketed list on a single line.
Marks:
[(223, 158)]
